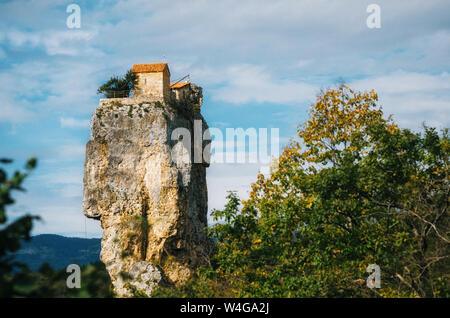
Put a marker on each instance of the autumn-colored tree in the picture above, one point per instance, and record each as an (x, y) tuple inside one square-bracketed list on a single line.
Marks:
[(353, 190)]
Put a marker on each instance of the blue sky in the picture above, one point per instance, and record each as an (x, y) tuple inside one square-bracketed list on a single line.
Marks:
[(260, 63)]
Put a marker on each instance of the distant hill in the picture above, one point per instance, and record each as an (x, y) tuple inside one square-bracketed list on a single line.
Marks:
[(58, 251)]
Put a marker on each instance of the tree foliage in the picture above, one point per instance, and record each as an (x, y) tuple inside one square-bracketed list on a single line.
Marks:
[(353, 190), (11, 234), (118, 86), (48, 283), (16, 280)]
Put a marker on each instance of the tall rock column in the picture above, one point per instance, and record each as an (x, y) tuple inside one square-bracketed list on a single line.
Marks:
[(147, 191)]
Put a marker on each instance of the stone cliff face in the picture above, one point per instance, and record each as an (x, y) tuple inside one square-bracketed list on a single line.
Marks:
[(150, 200)]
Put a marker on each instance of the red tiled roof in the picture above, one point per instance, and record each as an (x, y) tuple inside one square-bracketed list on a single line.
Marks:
[(150, 68), (179, 85)]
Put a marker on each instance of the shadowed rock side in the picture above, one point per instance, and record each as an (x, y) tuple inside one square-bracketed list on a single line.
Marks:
[(152, 205)]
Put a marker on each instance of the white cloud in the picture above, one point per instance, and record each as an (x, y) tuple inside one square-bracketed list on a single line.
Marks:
[(67, 42), (70, 191), (69, 122), (63, 182), (405, 82), (303, 63), (44, 87), (70, 176), (247, 83), (412, 97), (222, 178), (10, 112), (65, 220), (59, 214), (71, 151)]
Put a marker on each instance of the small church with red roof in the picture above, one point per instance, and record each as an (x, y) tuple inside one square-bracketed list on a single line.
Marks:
[(153, 80)]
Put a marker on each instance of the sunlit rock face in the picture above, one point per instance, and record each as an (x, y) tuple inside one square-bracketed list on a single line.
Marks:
[(147, 191)]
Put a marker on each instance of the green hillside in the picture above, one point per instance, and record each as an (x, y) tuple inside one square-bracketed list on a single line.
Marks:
[(58, 251)]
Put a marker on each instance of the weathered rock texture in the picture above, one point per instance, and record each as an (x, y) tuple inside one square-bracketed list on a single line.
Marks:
[(152, 205)]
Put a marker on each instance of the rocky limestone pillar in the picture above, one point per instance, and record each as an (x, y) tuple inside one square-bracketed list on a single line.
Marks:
[(150, 198)]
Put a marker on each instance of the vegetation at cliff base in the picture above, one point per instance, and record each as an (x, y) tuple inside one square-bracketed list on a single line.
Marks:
[(49, 283), (354, 189), (12, 233)]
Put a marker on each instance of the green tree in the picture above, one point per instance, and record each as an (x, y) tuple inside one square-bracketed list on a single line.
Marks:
[(354, 190), (118, 86), (14, 232)]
